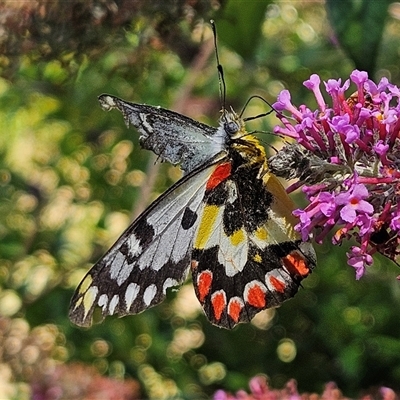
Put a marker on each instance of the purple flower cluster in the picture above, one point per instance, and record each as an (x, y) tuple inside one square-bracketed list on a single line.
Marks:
[(261, 390), (349, 155)]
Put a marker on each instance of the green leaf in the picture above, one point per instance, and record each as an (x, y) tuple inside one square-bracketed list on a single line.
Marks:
[(358, 25), (239, 25)]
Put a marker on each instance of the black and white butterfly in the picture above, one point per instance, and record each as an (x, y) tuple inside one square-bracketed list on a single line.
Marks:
[(228, 221)]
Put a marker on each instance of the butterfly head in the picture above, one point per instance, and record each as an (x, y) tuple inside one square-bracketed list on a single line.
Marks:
[(232, 125)]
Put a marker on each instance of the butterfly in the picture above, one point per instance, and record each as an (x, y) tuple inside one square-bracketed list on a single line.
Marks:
[(228, 221)]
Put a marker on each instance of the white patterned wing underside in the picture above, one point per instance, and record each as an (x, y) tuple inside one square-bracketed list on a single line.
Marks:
[(173, 137), (154, 253)]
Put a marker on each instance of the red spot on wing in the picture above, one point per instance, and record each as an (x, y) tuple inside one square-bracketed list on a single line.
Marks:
[(234, 308), (277, 284), (296, 264), (256, 296), (221, 173), (218, 301), (204, 281)]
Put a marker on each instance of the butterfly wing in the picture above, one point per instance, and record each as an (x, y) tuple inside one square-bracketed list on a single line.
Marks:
[(247, 256), (173, 137), (154, 253)]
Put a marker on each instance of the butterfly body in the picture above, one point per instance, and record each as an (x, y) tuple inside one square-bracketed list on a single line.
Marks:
[(228, 221)]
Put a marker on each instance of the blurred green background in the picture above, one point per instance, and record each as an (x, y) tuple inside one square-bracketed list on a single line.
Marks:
[(72, 177)]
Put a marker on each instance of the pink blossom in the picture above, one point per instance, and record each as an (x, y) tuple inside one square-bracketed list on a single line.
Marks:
[(349, 152)]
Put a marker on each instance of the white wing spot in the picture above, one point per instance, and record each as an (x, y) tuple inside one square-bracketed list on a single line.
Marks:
[(131, 293), (232, 194), (124, 273), (113, 303), (103, 301), (169, 282), (134, 246), (233, 252), (120, 269), (117, 264), (147, 258), (149, 294)]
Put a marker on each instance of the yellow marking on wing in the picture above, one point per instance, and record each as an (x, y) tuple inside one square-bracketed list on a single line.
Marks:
[(85, 284), (280, 229), (257, 258), (206, 227), (261, 233), (89, 298), (281, 217), (282, 199), (237, 237), (78, 303)]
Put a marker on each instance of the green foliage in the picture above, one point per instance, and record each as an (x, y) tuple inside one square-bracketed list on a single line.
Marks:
[(359, 26), (240, 26), (70, 175)]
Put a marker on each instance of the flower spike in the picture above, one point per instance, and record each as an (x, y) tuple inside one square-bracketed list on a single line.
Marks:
[(346, 155)]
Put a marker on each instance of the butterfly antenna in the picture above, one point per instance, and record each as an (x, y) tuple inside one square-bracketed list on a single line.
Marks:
[(221, 79), (259, 115)]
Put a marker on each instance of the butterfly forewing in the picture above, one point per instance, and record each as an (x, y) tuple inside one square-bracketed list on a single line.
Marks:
[(153, 254), (172, 136)]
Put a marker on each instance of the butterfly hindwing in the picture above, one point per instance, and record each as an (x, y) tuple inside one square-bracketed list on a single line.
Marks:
[(247, 256), (153, 254)]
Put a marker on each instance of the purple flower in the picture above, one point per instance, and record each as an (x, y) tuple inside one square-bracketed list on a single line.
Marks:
[(284, 103), (328, 203), (353, 202), (313, 84), (320, 212), (221, 395), (350, 150), (359, 78), (395, 222), (381, 150), (387, 393), (341, 125), (261, 390), (304, 225), (358, 259)]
